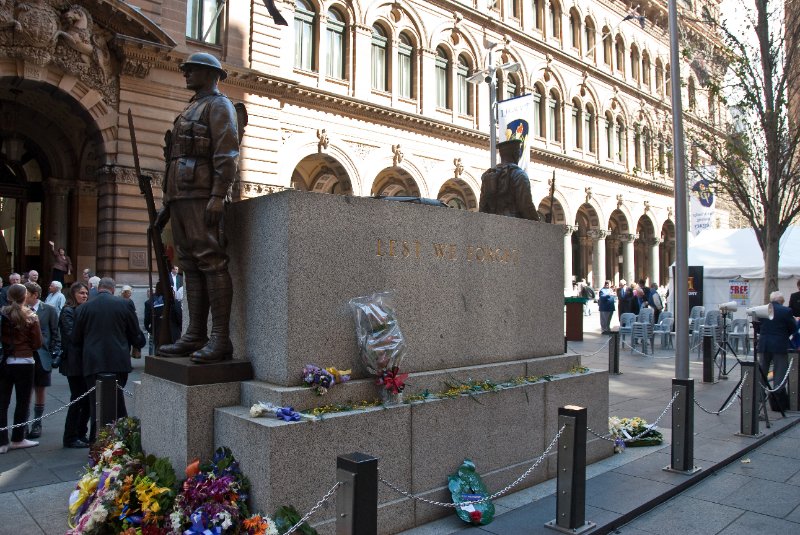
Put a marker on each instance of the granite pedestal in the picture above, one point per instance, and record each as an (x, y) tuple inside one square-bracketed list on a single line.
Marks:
[(478, 297)]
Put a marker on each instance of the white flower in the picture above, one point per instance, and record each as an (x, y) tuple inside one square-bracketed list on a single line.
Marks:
[(257, 411), (225, 518)]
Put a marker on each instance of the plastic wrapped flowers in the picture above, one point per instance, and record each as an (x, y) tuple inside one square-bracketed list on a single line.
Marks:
[(625, 430), (380, 340)]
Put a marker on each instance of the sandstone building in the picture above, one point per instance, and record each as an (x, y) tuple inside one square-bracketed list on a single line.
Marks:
[(353, 97)]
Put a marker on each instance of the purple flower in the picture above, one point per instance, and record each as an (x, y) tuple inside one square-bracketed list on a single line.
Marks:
[(287, 414)]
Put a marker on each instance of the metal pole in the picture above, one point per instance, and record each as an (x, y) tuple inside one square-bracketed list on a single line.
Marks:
[(750, 397), (492, 109), (682, 447), (708, 360), (571, 479), (357, 503), (105, 399), (681, 283), (613, 354), (794, 382)]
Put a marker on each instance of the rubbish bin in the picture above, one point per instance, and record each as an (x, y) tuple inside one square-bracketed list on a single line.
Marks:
[(575, 318)]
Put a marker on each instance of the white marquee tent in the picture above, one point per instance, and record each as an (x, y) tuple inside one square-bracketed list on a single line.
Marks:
[(730, 254)]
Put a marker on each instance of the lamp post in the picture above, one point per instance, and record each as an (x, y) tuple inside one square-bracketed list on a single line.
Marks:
[(489, 75)]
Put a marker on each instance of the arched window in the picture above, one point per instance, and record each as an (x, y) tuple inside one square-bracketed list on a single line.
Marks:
[(380, 56), (607, 46), (662, 153), (554, 116), (647, 148), (635, 62), (336, 36), (203, 22), (442, 78), (621, 140), (589, 38), (620, 48), (577, 123), (512, 8), (575, 28), (464, 87), (588, 128), (555, 19), (646, 69), (637, 146), (538, 13), (659, 78), (539, 111), (304, 16), (692, 94), (511, 87), (609, 136), (668, 88), (405, 66)]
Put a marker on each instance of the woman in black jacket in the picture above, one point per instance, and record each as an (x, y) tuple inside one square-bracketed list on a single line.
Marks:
[(76, 425)]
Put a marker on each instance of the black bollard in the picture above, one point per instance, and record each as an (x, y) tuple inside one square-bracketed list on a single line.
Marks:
[(682, 447), (613, 353), (571, 479), (708, 360), (357, 502), (794, 381), (748, 426), (106, 399)]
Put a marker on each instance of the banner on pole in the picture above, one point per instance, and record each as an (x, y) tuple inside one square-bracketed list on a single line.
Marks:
[(513, 120), (703, 201), (695, 287)]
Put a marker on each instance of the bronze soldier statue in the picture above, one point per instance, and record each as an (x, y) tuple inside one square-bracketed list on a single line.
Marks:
[(202, 155), (505, 189)]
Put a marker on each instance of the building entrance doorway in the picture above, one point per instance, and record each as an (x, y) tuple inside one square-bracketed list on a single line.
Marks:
[(20, 220)]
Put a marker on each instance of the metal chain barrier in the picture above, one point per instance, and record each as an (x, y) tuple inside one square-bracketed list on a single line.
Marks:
[(42, 417), (315, 508), (785, 378), (488, 498), (643, 433), (633, 349), (126, 392), (734, 397), (602, 347)]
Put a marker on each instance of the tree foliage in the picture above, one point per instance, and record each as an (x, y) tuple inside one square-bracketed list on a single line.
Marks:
[(756, 151)]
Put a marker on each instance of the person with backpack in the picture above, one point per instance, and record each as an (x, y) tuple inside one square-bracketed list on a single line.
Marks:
[(587, 292)]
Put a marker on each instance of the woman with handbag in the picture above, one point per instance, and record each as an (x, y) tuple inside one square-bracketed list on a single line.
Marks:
[(76, 425), (21, 336)]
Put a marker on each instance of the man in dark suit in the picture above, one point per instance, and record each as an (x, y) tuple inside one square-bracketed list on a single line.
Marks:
[(46, 357), (773, 344), (794, 302), (106, 327)]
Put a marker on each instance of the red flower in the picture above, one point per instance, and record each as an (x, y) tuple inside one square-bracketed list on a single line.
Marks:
[(475, 517), (393, 381)]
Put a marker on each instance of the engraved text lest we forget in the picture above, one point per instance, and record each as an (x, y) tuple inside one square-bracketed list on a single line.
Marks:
[(446, 251)]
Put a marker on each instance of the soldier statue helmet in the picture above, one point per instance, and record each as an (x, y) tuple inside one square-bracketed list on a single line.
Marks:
[(203, 59)]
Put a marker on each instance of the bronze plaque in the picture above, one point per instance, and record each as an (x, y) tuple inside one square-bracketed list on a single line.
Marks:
[(137, 259)]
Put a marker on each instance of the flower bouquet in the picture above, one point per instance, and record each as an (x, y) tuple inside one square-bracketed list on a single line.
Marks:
[(322, 379), (122, 491), (467, 488), (624, 430), (381, 342)]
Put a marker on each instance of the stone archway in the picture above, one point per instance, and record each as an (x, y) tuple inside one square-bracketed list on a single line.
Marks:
[(395, 182), (645, 260), (555, 215), (618, 247), (321, 173), (588, 246), (456, 193)]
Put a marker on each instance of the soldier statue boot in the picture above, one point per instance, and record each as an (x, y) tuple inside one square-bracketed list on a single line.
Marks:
[(219, 347), (195, 336)]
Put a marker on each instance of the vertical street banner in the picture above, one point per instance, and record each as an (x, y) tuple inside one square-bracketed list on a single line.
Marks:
[(702, 200), (695, 286), (739, 291), (513, 120)]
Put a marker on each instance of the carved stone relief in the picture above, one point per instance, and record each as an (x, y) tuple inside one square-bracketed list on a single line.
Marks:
[(43, 32)]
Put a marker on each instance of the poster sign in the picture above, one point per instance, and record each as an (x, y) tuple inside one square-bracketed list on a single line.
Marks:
[(513, 119), (739, 291), (703, 200), (695, 286)]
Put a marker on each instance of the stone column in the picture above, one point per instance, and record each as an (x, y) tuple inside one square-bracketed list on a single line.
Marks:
[(427, 71), (362, 73), (655, 260), (568, 230), (585, 259), (599, 257), (627, 256), (56, 227)]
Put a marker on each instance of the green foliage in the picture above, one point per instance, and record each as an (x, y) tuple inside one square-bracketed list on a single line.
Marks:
[(287, 516)]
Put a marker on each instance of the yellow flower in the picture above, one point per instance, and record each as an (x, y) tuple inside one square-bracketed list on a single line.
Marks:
[(148, 492), (86, 487)]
